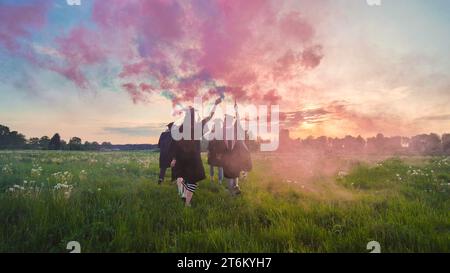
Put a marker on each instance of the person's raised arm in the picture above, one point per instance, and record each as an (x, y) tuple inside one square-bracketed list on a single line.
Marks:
[(213, 110), (236, 111), (238, 119)]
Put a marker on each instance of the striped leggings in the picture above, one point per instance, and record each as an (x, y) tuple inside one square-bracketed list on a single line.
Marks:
[(190, 187)]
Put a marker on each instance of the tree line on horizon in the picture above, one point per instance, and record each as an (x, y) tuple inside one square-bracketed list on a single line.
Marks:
[(422, 144), (15, 140)]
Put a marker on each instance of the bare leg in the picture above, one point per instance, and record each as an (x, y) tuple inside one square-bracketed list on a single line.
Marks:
[(237, 189), (180, 186), (231, 185), (189, 195)]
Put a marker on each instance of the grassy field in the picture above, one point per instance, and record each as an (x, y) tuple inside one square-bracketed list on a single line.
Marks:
[(110, 202)]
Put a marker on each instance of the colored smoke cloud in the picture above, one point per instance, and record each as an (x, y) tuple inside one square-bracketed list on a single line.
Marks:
[(178, 49), (19, 22)]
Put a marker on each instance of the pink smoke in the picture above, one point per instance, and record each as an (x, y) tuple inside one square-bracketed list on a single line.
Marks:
[(182, 49), (187, 46), (19, 22)]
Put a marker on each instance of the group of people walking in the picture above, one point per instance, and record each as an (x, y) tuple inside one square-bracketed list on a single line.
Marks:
[(229, 155)]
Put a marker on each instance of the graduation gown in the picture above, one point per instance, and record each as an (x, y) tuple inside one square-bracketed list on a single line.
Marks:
[(189, 163), (236, 158), (215, 150), (165, 150)]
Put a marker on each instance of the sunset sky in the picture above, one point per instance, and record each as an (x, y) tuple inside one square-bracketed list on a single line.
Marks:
[(113, 70)]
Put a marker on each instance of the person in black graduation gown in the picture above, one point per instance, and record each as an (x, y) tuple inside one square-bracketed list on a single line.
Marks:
[(235, 155), (187, 162), (165, 152)]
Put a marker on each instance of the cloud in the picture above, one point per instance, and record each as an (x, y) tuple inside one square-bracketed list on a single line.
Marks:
[(295, 118), (147, 130), (436, 118), (339, 117)]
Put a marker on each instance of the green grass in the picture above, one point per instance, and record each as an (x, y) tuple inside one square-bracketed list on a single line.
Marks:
[(115, 205)]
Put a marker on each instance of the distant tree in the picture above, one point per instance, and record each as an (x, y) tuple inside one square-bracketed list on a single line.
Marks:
[(426, 144), (354, 145), (393, 145), (95, 146), (376, 145), (16, 140), (55, 142), (91, 146), (87, 146), (33, 143), (106, 145), (75, 144), (11, 139), (64, 145), (4, 136), (309, 142), (360, 144), (337, 144), (43, 142), (434, 144), (446, 144)]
